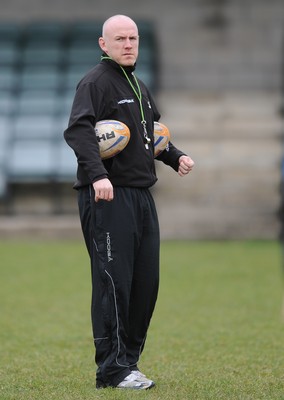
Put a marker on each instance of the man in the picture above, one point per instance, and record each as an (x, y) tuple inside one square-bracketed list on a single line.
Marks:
[(117, 212)]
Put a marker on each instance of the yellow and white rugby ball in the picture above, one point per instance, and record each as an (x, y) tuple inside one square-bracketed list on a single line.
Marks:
[(161, 138), (112, 136)]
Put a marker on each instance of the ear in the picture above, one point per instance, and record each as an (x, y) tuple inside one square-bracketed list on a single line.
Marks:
[(102, 44)]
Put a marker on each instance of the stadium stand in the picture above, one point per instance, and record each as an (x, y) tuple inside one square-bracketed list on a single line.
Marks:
[(40, 64)]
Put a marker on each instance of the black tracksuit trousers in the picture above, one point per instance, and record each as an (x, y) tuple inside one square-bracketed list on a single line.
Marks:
[(122, 238)]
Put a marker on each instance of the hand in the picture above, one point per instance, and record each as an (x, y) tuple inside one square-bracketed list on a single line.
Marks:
[(185, 165), (103, 190)]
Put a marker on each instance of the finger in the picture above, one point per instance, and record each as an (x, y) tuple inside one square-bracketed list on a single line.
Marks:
[(99, 195), (110, 197), (104, 195), (184, 169), (188, 164), (110, 194)]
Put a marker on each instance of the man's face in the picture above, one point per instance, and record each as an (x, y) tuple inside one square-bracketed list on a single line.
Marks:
[(120, 42)]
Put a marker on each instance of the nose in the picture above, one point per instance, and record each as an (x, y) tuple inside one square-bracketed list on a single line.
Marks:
[(128, 42)]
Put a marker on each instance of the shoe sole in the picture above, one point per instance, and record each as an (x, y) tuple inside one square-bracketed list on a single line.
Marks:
[(101, 385)]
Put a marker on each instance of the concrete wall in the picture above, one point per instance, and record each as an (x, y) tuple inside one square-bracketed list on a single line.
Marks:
[(233, 192)]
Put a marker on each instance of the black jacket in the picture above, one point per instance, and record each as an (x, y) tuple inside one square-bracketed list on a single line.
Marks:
[(105, 93)]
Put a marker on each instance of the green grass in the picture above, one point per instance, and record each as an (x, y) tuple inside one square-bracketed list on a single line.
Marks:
[(217, 331)]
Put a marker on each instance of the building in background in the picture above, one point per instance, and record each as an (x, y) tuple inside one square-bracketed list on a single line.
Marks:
[(220, 91)]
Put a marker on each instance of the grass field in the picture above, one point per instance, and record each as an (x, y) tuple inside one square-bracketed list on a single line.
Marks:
[(217, 331)]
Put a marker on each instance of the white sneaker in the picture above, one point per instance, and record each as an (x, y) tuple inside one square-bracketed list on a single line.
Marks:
[(132, 381), (141, 376), (138, 373)]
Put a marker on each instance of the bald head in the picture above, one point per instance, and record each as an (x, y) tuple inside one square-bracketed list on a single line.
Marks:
[(116, 21), (120, 39)]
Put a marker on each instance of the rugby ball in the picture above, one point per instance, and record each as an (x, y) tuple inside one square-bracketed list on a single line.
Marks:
[(161, 138), (112, 137)]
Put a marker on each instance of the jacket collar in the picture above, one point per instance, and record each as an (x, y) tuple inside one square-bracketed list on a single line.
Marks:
[(116, 66)]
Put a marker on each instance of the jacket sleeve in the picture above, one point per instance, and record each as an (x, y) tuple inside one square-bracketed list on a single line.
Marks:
[(170, 156), (80, 134)]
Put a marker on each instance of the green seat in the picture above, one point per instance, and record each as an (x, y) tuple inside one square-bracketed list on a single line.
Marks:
[(45, 31), (9, 54), (40, 78), (85, 31), (8, 78), (7, 103), (42, 55), (31, 161), (10, 31), (37, 102), (67, 164), (34, 127)]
